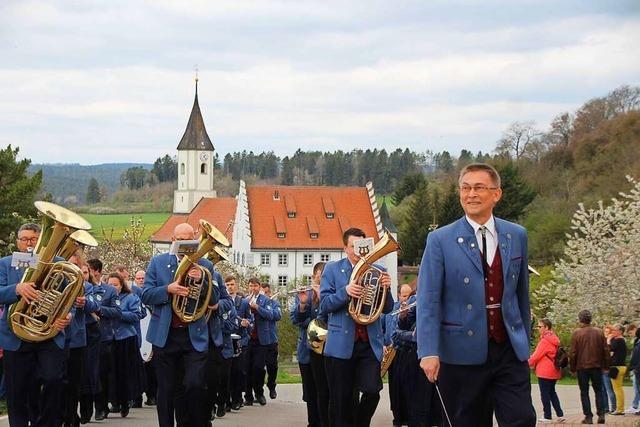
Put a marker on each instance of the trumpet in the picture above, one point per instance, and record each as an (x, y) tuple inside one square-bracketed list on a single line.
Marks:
[(403, 309)]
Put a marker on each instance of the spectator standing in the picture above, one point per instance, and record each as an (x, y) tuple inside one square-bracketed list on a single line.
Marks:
[(633, 340), (588, 357), (609, 396), (634, 364), (618, 350), (543, 360)]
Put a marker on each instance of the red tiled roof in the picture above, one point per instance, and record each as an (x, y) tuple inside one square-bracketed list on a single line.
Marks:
[(351, 204), (218, 211)]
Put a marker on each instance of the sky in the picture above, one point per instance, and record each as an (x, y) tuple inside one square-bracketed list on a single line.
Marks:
[(113, 81)]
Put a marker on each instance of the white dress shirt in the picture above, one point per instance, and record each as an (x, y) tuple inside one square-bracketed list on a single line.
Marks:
[(491, 236)]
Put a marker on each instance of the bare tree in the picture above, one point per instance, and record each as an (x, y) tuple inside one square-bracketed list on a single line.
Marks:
[(517, 138), (560, 130)]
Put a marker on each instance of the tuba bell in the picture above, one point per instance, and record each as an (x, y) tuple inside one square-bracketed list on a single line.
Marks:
[(388, 355), (368, 307), (58, 282), (195, 305), (317, 335)]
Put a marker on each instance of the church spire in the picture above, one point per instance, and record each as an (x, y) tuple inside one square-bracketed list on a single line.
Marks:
[(195, 135)]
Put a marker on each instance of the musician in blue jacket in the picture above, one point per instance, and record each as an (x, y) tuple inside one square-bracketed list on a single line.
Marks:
[(261, 337), (24, 361), (108, 313), (353, 352), (178, 347), (473, 315), (271, 360), (239, 363)]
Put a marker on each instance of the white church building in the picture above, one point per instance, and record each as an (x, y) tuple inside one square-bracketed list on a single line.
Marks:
[(281, 230)]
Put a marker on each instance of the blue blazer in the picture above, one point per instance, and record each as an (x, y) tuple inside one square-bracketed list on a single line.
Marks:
[(301, 319), (109, 311), (334, 301), (451, 309), (230, 325), (76, 332), (389, 324), (265, 318), (132, 312), (154, 293), (243, 312), (9, 278), (217, 319)]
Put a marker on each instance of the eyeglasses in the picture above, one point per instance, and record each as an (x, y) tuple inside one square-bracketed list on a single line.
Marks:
[(28, 239), (478, 189)]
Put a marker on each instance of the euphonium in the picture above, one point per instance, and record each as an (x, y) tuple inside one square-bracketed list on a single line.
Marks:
[(58, 282), (387, 358), (193, 306), (317, 335), (369, 306)]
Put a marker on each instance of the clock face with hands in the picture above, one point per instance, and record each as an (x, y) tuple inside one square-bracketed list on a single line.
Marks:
[(204, 157)]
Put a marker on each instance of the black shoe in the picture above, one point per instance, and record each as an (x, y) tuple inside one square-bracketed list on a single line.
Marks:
[(85, 420), (227, 407), (137, 403), (212, 415), (261, 400), (236, 406), (151, 401), (221, 411), (587, 420), (124, 411), (100, 415), (248, 402), (600, 419), (114, 408), (273, 394)]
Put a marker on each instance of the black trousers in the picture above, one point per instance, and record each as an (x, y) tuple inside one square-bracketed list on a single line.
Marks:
[(310, 395), (347, 379), (418, 398), (107, 377), (179, 365), (71, 393), (44, 361), (257, 355), (594, 376), (218, 374), (501, 384), (90, 376), (322, 387), (272, 365), (151, 381), (239, 375)]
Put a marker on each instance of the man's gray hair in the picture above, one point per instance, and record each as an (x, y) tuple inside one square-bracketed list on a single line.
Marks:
[(31, 227), (475, 167)]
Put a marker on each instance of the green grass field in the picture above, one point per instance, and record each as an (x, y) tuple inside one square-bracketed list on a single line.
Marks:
[(152, 221)]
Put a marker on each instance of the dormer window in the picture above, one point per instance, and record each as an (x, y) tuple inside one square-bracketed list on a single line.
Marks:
[(281, 235), (276, 195), (291, 214), (330, 215), (313, 236)]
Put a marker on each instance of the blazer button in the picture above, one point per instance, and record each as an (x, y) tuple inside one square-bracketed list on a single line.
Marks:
[(469, 306), (466, 280), (470, 332), (513, 328)]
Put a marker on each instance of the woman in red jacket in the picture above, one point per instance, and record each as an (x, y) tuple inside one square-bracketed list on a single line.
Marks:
[(543, 360)]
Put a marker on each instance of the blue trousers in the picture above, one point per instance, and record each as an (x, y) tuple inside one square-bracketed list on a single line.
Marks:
[(549, 397)]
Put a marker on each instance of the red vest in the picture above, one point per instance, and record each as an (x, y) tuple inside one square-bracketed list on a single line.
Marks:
[(493, 288)]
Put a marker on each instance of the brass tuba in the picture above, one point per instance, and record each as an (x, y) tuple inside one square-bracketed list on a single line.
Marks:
[(317, 335), (58, 282), (195, 305), (368, 308)]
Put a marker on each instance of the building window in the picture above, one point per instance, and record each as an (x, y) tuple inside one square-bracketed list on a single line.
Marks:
[(181, 168), (291, 214), (306, 280), (314, 236), (281, 235), (203, 168), (329, 215), (324, 257), (282, 280), (265, 259), (283, 260), (242, 260), (307, 259)]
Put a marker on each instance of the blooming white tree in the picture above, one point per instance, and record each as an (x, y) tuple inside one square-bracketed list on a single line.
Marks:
[(600, 270)]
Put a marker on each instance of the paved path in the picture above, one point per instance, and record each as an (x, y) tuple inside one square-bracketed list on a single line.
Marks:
[(288, 410)]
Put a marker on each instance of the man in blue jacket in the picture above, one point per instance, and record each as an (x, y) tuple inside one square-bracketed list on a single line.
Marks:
[(239, 363), (179, 348), (261, 337), (352, 352), (24, 361), (271, 360), (473, 310)]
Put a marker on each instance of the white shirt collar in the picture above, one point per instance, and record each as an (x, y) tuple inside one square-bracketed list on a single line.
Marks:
[(490, 224)]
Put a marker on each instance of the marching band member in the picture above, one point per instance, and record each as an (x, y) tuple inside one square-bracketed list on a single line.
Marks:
[(90, 380), (177, 346), (76, 344), (271, 360), (390, 323), (24, 361), (239, 363), (473, 310), (352, 352), (317, 360), (108, 312), (128, 365), (261, 338), (306, 308)]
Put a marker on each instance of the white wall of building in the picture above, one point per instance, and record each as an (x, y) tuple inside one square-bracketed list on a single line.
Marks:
[(195, 179)]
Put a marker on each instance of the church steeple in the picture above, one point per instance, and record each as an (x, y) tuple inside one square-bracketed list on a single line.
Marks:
[(195, 135)]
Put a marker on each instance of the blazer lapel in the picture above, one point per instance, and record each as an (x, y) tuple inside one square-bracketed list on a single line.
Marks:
[(466, 241)]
